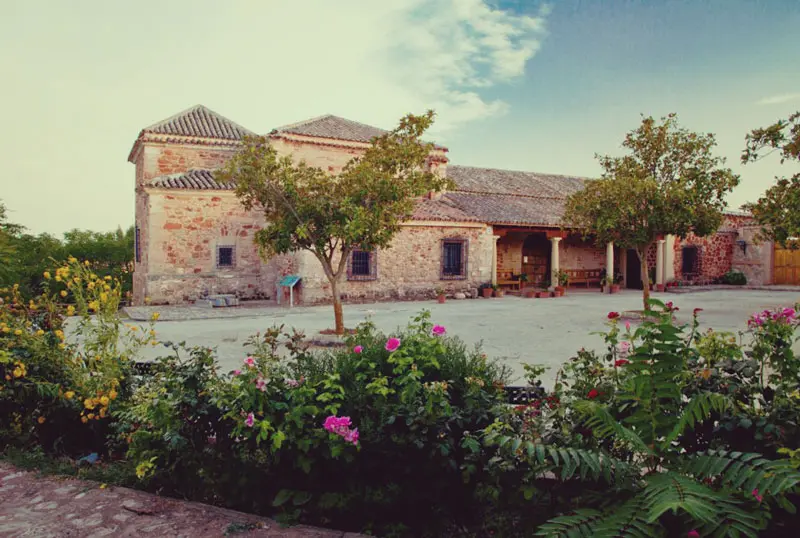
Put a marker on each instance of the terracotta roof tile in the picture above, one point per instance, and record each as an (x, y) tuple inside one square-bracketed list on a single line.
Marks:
[(509, 209), (330, 126), (194, 179), (492, 180), (201, 122)]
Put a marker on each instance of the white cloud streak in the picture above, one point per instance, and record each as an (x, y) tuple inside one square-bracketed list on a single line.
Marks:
[(779, 99)]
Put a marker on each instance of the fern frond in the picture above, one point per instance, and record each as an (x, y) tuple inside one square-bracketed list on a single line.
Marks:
[(697, 410), (605, 425), (578, 524), (716, 512), (629, 520), (744, 471)]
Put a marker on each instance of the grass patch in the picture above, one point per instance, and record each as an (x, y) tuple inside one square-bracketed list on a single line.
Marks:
[(114, 473)]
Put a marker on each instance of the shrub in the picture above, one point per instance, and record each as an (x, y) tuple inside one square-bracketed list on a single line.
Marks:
[(734, 278)]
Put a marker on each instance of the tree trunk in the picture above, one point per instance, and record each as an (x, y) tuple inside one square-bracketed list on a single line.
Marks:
[(338, 314), (645, 277)]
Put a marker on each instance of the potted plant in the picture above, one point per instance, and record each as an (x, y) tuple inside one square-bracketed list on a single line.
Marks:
[(486, 290), (563, 282), (614, 284), (498, 291), (440, 296), (603, 280)]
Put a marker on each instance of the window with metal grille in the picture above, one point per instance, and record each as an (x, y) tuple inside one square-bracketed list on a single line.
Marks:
[(225, 256), (454, 259), (137, 245), (361, 265)]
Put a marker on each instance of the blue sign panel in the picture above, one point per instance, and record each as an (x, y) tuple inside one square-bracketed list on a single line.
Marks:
[(289, 281)]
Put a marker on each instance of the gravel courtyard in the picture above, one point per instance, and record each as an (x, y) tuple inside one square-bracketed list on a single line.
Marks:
[(517, 330)]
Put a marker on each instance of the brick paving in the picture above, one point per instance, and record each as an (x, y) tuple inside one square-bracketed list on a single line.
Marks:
[(51, 507)]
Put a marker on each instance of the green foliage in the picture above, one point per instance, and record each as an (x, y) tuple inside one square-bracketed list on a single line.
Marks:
[(776, 211), (669, 183), (734, 278), (329, 215)]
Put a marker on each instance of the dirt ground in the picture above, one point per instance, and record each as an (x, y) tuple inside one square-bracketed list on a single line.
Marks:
[(52, 507)]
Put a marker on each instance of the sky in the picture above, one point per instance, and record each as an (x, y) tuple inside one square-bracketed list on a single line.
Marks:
[(516, 84)]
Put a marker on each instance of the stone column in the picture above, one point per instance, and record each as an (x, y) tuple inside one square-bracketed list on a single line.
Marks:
[(660, 267), (554, 267), (494, 261), (610, 262), (669, 258)]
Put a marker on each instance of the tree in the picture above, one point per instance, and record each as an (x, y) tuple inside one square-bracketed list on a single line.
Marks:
[(670, 183), (8, 251), (310, 209), (778, 210)]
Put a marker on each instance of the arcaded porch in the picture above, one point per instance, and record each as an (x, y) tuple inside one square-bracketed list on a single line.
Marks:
[(530, 257)]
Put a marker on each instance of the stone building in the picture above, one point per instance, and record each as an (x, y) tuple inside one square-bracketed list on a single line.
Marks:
[(193, 238)]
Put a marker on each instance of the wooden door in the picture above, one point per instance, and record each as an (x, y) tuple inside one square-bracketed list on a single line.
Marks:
[(536, 259), (787, 266)]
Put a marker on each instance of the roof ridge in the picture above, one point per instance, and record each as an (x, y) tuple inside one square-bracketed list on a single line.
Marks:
[(517, 171), (511, 194), (197, 107), (300, 123)]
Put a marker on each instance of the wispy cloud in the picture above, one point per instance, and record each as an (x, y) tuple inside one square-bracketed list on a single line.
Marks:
[(779, 99)]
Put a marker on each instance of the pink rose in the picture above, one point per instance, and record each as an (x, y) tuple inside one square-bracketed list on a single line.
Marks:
[(438, 330), (627, 325), (250, 420), (392, 344), (358, 349), (261, 384), (237, 373), (250, 362)]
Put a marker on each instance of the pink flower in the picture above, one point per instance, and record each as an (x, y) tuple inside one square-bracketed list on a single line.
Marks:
[(392, 344), (250, 420), (261, 384), (358, 349), (627, 325), (693, 534), (291, 383), (438, 330), (237, 373), (758, 497), (341, 426), (250, 362), (351, 436), (613, 315)]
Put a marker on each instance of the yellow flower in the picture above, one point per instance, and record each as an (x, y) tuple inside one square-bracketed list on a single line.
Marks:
[(8, 377), (6, 330), (106, 277), (62, 346), (63, 293), (72, 259), (104, 401), (107, 287), (69, 394), (102, 412), (40, 333), (47, 275), (60, 334), (134, 328), (94, 306), (155, 316), (40, 420), (88, 404), (112, 395), (90, 415), (58, 278), (84, 420), (86, 263), (70, 310), (103, 296), (18, 332)]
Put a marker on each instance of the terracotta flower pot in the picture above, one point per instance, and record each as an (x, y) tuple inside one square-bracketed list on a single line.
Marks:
[(440, 299), (660, 287), (615, 288), (542, 294), (558, 293), (530, 294), (499, 293), (487, 292)]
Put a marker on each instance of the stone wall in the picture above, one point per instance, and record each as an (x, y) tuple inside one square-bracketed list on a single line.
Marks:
[(409, 268), (509, 253), (578, 254), (757, 261), (185, 229), (716, 251), (157, 159)]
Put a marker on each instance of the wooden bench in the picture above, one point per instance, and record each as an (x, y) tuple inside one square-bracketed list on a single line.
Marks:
[(584, 276), (507, 279)]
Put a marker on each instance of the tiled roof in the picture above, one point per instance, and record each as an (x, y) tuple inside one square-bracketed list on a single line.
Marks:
[(492, 180), (201, 122), (195, 179), (509, 209), (330, 126), (442, 209)]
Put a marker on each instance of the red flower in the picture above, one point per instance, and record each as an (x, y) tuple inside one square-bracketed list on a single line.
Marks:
[(613, 315), (697, 311), (620, 362), (593, 394), (693, 534)]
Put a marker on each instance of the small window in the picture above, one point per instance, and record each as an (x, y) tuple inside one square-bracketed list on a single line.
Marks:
[(137, 245), (454, 259), (362, 265), (225, 256)]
